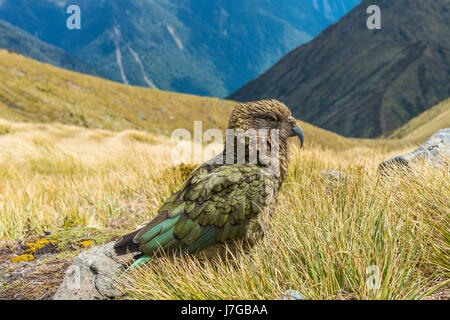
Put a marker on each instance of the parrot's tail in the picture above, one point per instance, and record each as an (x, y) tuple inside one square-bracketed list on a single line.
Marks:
[(126, 244)]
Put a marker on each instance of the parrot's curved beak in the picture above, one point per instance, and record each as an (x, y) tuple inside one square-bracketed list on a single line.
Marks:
[(297, 131)]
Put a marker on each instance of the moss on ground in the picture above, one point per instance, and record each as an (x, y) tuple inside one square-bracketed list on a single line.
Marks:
[(34, 267)]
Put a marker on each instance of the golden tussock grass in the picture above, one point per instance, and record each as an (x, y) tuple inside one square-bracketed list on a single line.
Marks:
[(53, 172), (327, 238), (320, 241)]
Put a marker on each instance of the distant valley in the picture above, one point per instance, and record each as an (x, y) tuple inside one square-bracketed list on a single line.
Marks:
[(205, 47)]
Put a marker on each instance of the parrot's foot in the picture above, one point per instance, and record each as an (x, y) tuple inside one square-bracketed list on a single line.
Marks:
[(137, 264)]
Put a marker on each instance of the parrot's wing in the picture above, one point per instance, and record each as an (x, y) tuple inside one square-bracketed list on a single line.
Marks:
[(212, 206)]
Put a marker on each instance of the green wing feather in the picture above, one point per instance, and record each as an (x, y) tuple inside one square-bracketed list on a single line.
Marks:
[(213, 205)]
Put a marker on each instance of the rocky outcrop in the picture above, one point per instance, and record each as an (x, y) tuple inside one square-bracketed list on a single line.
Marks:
[(435, 151), (92, 275)]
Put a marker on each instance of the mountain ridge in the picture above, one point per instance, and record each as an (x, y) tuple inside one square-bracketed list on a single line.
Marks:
[(365, 83), (39, 93), (15, 39)]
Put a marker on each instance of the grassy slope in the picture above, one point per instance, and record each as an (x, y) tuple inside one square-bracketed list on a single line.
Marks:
[(427, 123), (32, 91), (53, 171)]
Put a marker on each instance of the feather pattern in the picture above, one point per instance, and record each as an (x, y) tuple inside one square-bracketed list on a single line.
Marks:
[(219, 203), (215, 206)]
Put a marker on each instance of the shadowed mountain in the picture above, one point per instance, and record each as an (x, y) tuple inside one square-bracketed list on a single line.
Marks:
[(15, 39), (365, 83)]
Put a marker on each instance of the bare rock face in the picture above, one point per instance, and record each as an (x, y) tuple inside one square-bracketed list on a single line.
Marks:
[(92, 275), (435, 151)]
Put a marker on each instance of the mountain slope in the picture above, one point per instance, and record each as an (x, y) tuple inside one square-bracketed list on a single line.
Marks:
[(365, 83), (15, 39), (206, 47), (31, 91), (34, 92), (425, 124)]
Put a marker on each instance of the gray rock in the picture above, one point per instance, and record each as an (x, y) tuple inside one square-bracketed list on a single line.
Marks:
[(435, 151), (142, 117), (92, 275)]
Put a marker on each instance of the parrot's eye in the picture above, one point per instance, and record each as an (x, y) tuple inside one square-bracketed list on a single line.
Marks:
[(269, 117)]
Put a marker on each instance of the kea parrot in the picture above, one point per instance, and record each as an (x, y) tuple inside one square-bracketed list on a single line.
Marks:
[(221, 201)]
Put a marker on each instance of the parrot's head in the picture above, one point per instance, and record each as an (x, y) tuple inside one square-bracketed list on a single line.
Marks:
[(266, 114)]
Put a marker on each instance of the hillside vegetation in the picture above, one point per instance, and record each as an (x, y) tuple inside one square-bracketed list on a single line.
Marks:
[(37, 92), (53, 172), (427, 123), (32, 91)]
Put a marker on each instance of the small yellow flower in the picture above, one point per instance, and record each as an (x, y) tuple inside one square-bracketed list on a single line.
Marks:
[(23, 258), (87, 243), (33, 247)]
